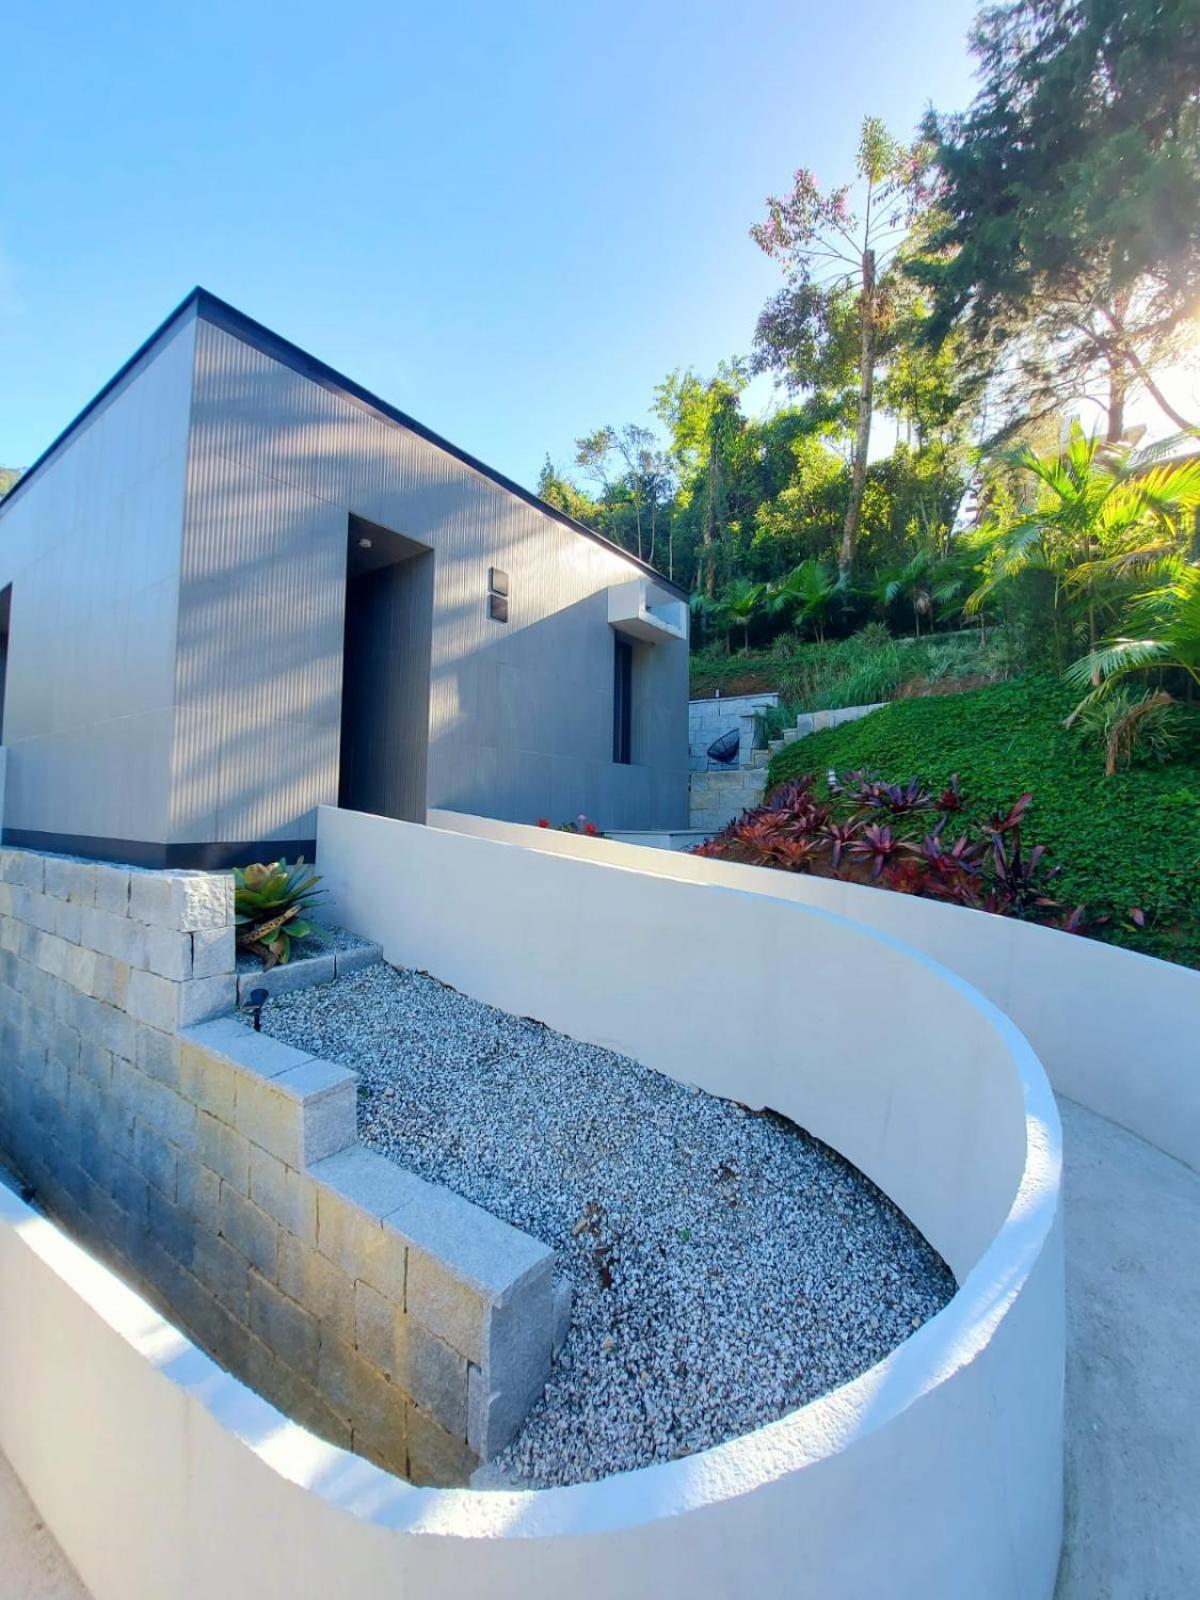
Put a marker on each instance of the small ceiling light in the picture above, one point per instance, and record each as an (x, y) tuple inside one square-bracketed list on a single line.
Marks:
[(364, 544)]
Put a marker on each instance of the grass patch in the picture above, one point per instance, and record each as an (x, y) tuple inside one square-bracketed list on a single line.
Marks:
[(1125, 841)]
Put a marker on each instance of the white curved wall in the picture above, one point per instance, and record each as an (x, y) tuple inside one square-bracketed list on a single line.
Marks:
[(1115, 1030), (936, 1473)]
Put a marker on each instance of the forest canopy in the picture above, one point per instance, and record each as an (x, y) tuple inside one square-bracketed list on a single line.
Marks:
[(955, 298)]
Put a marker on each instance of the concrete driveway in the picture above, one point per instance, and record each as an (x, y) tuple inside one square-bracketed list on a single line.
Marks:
[(1133, 1367)]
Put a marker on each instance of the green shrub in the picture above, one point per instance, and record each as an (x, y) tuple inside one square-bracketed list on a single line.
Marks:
[(1127, 841), (1134, 727)]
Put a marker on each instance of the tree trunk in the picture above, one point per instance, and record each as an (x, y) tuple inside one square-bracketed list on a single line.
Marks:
[(710, 517), (1118, 386), (1120, 352), (862, 437)]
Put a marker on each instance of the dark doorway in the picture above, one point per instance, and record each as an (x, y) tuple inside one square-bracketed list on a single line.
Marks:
[(385, 673)]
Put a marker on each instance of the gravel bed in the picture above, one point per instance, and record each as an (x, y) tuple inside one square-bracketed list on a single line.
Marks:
[(319, 943), (726, 1266)]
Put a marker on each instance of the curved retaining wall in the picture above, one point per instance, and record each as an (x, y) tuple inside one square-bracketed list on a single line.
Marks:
[(1114, 1029), (936, 1473)]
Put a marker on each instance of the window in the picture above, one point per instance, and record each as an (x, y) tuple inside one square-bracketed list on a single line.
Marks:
[(622, 701), (497, 594), (5, 611)]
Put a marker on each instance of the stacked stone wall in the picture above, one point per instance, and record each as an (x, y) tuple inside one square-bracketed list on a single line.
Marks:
[(219, 1170)]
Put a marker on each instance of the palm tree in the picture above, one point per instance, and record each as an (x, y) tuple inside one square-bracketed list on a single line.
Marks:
[(1164, 636), (927, 580), (1098, 513), (741, 603), (807, 594)]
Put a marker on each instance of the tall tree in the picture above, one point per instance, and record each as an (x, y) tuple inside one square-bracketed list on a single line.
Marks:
[(1070, 193), (705, 420), (837, 248), (557, 490), (629, 466)]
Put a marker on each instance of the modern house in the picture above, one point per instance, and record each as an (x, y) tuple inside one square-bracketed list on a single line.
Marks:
[(238, 586)]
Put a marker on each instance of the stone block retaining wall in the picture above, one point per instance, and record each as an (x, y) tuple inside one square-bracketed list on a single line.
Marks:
[(219, 1170), (715, 798), (709, 719)]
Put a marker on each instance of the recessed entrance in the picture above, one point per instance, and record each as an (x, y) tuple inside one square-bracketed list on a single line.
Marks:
[(385, 673)]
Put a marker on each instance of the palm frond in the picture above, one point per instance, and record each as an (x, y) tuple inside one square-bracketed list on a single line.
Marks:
[(1117, 659)]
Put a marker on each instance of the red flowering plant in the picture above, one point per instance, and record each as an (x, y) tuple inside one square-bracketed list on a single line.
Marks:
[(904, 837), (580, 825)]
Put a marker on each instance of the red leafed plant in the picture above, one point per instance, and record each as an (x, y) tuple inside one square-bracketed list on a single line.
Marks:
[(896, 836)]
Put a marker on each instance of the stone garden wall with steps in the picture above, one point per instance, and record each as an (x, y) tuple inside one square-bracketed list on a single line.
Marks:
[(715, 798), (709, 719), (219, 1171), (809, 722)]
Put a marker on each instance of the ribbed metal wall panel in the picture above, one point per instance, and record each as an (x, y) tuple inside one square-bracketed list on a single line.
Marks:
[(92, 550), (520, 715)]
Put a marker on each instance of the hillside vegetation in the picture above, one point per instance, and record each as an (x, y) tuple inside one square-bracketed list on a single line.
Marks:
[(870, 665), (1127, 841)]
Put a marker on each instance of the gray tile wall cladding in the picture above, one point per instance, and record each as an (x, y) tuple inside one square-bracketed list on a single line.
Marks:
[(218, 1170)]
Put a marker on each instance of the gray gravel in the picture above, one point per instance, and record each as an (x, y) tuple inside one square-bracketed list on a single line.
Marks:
[(726, 1266)]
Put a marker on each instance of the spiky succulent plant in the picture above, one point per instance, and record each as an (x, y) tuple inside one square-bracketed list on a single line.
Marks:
[(271, 905)]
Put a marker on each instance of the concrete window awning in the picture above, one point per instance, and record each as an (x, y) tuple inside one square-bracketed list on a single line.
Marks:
[(641, 610)]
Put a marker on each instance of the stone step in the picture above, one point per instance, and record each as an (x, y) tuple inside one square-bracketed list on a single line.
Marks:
[(302, 972)]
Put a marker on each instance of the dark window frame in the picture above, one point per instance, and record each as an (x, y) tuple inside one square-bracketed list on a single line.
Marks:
[(5, 628), (622, 701)]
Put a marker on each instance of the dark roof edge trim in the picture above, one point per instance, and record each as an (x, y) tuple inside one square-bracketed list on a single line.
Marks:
[(180, 315), (232, 321)]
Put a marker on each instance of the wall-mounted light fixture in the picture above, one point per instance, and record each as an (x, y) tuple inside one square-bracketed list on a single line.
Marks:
[(364, 544), (497, 594)]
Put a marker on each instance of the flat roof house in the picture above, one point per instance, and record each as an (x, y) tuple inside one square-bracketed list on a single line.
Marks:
[(238, 587)]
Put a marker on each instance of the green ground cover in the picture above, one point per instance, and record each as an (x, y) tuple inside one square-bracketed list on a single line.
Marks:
[(1131, 840)]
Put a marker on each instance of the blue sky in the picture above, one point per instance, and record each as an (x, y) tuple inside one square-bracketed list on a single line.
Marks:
[(509, 220)]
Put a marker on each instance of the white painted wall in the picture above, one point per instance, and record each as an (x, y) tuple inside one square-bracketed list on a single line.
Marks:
[(1114, 1030), (892, 1061), (935, 1474)]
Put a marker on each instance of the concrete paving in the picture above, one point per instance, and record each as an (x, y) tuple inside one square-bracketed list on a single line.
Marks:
[(1133, 1367), (1133, 1386), (32, 1567)]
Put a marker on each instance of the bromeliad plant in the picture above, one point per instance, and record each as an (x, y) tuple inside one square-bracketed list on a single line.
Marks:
[(271, 906), (903, 837)]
